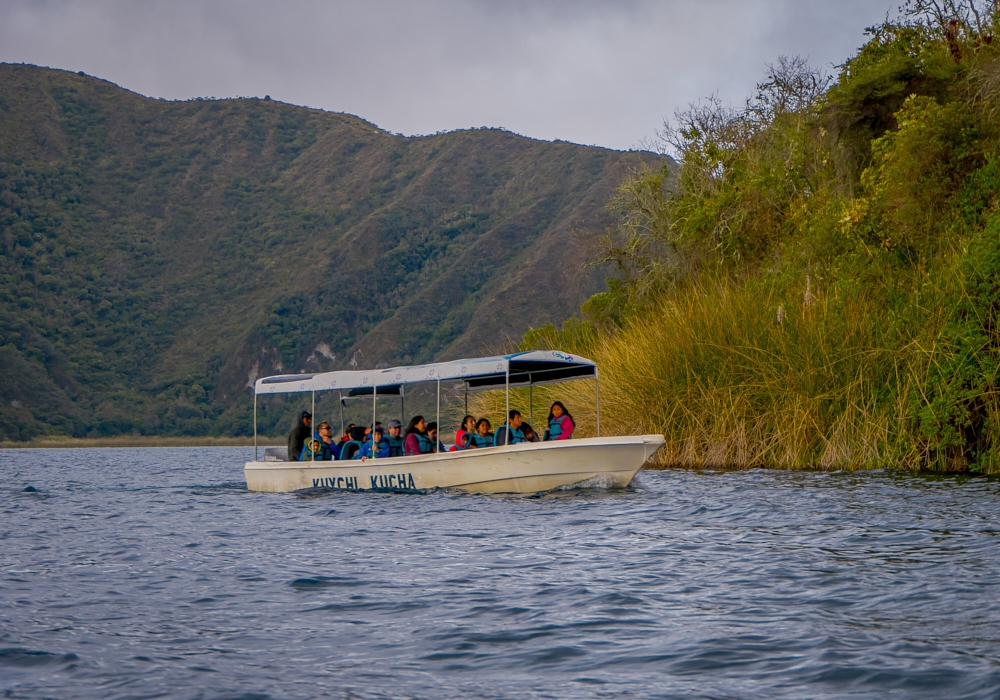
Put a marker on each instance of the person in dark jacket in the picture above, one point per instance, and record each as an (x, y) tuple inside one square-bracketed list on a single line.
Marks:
[(300, 433), (347, 433)]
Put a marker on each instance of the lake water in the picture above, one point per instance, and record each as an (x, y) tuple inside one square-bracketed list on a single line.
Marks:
[(140, 573)]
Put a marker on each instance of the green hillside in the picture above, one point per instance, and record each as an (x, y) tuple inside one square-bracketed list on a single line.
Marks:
[(157, 256)]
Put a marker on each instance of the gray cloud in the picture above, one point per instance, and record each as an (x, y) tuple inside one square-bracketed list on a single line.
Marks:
[(603, 73)]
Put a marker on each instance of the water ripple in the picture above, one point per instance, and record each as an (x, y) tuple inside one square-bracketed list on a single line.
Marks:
[(130, 573)]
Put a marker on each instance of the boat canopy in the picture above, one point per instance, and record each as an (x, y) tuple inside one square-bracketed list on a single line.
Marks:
[(520, 369)]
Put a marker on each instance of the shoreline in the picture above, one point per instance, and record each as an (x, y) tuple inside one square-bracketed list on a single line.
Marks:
[(136, 441)]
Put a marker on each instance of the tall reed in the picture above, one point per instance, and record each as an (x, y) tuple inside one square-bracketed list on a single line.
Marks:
[(730, 382)]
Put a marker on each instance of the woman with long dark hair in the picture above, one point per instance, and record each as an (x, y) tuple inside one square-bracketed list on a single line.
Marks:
[(416, 442), (561, 423), (465, 432), (411, 439)]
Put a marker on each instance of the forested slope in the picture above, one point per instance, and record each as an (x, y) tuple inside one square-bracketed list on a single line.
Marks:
[(156, 256)]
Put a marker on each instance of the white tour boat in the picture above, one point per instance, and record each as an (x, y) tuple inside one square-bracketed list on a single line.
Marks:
[(607, 462)]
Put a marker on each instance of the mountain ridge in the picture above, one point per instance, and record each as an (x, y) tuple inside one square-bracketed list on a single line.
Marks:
[(156, 255)]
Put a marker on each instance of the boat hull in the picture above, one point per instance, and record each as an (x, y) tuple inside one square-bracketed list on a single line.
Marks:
[(525, 468)]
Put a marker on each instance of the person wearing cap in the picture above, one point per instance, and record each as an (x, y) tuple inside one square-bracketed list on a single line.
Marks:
[(300, 433), (395, 438)]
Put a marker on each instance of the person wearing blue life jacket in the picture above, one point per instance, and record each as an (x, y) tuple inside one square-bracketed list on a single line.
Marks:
[(510, 434), (377, 444), (329, 449), (482, 437), (416, 441), (561, 423), (432, 438), (394, 438), (463, 436), (311, 451)]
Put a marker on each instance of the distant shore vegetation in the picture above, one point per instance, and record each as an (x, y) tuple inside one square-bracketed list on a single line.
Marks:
[(820, 285)]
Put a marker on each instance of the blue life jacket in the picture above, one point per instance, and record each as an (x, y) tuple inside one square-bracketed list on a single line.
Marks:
[(555, 429), (381, 451), (395, 446), (479, 441), (516, 435), (327, 452), (426, 445), (307, 456)]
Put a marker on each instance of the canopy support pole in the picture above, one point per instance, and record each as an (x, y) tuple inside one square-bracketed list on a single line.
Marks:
[(506, 414), (312, 422), (466, 400), (531, 402), (374, 403), (597, 400), (255, 426), (437, 440), (343, 426)]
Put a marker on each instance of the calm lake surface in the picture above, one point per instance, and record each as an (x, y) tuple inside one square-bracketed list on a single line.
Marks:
[(140, 573)]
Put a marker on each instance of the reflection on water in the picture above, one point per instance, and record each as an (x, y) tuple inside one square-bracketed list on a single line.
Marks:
[(148, 572)]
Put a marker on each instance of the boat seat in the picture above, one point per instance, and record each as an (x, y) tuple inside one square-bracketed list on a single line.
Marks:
[(349, 449)]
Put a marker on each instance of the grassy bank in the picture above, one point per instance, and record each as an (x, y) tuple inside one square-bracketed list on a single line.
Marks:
[(820, 287), (138, 441)]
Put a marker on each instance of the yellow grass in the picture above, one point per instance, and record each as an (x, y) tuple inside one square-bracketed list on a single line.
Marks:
[(728, 385)]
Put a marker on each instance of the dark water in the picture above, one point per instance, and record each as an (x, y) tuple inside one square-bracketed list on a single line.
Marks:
[(154, 573)]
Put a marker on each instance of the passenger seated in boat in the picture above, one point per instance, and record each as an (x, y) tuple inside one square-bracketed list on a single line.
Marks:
[(328, 448), (395, 439), (416, 442), (380, 445), (482, 437), (529, 433), (432, 437), (311, 451), (465, 431), (510, 434), (347, 433), (561, 423), (300, 433)]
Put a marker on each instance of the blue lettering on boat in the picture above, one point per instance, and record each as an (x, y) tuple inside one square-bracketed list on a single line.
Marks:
[(336, 482), (378, 481)]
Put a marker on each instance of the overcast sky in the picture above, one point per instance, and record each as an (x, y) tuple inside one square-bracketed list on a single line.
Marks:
[(603, 73)]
